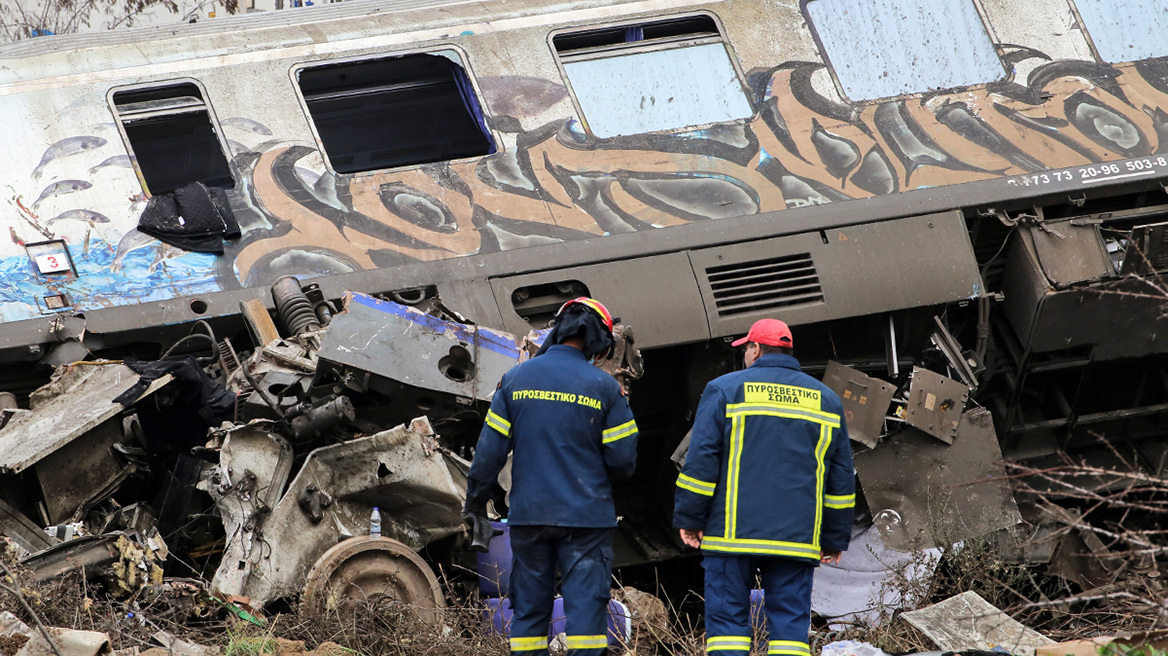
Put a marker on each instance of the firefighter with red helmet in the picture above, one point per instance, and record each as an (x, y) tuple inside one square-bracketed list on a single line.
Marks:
[(570, 431)]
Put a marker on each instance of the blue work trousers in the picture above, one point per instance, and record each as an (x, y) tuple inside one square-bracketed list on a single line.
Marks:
[(787, 586), (584, 559)]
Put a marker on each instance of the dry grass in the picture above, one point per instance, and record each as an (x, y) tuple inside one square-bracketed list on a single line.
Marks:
[(1045, 603)]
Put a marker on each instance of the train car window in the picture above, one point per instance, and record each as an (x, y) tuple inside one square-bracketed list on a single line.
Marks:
[(1125, 30), (172, 137), (886, 48), (654, 76), (397, 111)]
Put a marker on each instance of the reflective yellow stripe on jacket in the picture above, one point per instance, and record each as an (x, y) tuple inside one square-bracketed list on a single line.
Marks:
[(820, 472), (617, 432), (498, 423), (785, 411), (767, 547), (694, 485), (839, 501)]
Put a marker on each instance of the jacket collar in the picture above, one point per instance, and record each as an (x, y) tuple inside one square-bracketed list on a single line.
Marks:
[(565, 350), (776, 360)]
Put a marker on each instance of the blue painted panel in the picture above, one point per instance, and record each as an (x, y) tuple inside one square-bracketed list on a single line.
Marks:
[(106, 278), (1126, 30), (886, 48), (653, 91)]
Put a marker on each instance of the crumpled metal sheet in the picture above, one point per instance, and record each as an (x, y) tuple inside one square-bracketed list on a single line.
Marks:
[(925, 493), (254, 466), (74, 403), (418, 488), (389, 345)]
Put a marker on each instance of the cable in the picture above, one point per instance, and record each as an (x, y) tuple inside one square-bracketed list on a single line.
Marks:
[(186, 339)]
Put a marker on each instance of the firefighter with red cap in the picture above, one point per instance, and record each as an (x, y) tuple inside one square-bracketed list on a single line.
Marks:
[(767, 487), (571, 432)]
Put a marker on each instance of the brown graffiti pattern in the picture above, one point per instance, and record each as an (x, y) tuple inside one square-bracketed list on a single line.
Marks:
[(558, 184)]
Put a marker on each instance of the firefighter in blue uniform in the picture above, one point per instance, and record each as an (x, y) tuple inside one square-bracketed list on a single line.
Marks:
[(767, 487), (571, 431)]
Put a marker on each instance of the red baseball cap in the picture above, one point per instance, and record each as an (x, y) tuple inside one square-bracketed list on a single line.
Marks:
[(771, 332)]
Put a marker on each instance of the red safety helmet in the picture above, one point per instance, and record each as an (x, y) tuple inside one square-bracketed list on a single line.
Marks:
[(593, 305)]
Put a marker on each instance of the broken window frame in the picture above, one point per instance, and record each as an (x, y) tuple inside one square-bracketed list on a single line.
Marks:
[(1091, 31), (123, 116), (455, 54), (658, 44), (1006, 72)]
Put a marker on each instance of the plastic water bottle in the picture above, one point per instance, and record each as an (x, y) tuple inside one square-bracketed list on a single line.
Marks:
[(375, 523)]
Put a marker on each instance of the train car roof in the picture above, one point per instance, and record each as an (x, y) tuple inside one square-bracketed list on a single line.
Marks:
[(80, 53), (296, 18)]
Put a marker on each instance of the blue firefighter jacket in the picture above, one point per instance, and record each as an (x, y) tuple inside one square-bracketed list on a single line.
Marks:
[(769, 468), (571, 430)]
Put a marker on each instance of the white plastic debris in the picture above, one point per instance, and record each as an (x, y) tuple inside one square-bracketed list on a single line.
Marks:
[(851, 648)]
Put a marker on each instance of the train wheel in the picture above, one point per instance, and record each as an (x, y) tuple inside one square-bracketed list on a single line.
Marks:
[(379, 571)]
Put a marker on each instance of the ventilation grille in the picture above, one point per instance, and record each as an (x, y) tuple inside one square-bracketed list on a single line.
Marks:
[(764, 284)]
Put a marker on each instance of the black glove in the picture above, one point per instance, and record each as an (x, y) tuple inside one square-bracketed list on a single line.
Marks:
[(475, 513)]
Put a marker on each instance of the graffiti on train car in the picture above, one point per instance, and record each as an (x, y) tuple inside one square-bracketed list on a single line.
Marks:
[(558, 183)]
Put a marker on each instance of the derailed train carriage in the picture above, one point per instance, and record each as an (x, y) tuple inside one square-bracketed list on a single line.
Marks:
[(971, 187)]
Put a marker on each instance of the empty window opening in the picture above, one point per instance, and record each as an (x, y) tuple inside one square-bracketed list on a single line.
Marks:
[(1126, 30), (886, 48), (399, 111), (654, 76), (172, 138)]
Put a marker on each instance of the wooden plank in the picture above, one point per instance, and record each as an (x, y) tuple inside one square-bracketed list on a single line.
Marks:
[(259, 322)]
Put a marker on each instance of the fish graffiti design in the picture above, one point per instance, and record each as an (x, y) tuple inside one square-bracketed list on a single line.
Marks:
[(66, 148)]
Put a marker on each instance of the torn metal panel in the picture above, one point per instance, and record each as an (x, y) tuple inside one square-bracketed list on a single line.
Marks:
[(76, 402), (966, 621), (1070, 251), (419, 489), (1125, 321), (935, 404), (22, 530), (1147, 250), (1027, 543), (123, 565), (923, 493), (93, 551), (391, 348), (1076, 560), (624, 362), (865, 401), (284, 389), (254, 466), (82, 472)]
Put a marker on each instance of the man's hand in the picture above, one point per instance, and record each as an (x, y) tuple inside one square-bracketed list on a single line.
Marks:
[(831, 557), (692, 538)]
